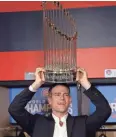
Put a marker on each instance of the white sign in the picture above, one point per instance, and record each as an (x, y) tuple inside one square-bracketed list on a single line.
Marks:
[(110, 73)]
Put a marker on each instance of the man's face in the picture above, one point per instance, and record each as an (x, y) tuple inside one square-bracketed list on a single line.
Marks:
[(59, 99)]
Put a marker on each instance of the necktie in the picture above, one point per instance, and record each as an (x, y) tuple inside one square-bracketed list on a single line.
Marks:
[(61, 123)]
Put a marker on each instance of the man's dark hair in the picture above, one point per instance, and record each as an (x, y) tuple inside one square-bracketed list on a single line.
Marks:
[(59, 84)]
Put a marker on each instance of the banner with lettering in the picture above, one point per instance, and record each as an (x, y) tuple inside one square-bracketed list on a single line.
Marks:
[(109, 92), (39, 104)]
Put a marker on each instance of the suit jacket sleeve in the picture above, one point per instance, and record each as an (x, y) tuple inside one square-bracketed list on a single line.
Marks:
[(19, 113), (103, 110)]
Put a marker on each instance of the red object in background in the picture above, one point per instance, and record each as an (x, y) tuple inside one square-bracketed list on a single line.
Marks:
[(13, 6), (94, 60)]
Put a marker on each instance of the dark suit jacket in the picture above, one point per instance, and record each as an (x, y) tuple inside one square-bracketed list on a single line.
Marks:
[(78, 126)]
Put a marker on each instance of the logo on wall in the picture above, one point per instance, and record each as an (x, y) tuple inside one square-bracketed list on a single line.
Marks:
[(108, 72), (39, 103)]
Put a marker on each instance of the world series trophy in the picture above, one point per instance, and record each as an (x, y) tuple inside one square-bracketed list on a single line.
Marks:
[(60, 38)]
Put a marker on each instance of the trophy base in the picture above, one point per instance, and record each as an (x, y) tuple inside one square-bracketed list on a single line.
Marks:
[(60, 77)]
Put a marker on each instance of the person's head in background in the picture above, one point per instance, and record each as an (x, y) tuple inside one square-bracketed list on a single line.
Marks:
[(59, 98)]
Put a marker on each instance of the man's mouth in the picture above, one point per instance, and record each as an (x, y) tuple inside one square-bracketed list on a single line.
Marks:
[(61, 103)]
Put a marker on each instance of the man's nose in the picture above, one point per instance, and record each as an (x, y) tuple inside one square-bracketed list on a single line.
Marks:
[(62, 97)]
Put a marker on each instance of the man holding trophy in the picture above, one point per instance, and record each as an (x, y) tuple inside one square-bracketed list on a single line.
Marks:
[(60, 69), (60, 123)]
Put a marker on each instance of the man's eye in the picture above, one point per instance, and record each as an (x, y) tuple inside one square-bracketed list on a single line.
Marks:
[(66, 94), (57, 94)]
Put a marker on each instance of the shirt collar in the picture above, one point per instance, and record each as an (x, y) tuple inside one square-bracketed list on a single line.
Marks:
[(63, 119)]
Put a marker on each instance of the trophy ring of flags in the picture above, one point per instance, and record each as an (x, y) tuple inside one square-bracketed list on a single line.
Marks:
[(60, 39)]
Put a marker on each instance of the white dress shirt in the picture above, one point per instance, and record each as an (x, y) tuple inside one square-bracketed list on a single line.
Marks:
[(60, 131)]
